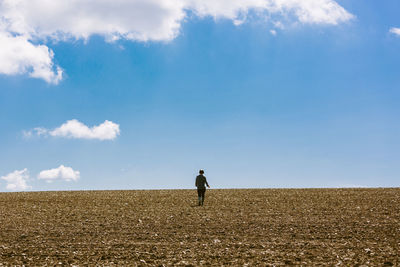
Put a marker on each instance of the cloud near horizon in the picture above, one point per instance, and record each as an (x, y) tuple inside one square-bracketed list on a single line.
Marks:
[(27, 25), (16, 181), (75, 129), (60, 173)]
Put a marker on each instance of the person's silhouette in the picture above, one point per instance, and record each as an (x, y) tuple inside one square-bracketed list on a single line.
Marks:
[(201, 183)]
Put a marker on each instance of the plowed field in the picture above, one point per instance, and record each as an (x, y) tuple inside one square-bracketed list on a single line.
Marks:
[(252, 227)]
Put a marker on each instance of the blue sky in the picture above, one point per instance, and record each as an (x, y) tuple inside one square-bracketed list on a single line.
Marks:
[(278, 100)]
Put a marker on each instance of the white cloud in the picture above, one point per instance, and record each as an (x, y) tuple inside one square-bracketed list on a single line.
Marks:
[(108, 130), (16, 181), (26, 22), (75, 129), (315, 11), (395, 31), (18, 56), (62, 173), (273, 32), (305, 11), (141, 20)]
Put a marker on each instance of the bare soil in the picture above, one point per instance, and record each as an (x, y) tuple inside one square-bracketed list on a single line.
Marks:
[(254, 227)]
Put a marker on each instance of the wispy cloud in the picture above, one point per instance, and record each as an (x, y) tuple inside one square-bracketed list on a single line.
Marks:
[(60, 173), (107, 130), (38, 131), (395, 31), (27, 25), (16, 181)]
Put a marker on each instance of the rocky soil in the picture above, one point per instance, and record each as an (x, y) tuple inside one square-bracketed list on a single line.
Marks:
[(254, 227)]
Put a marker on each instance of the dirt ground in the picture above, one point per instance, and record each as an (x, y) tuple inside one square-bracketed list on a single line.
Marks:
[(253, 227)]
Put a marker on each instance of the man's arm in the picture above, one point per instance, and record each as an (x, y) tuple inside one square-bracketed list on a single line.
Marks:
[(205, 179)]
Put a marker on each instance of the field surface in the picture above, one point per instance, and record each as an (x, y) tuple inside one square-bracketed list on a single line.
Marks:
[(254, 227)]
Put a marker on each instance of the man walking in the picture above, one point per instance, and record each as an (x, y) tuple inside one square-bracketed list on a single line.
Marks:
[(201, 181)]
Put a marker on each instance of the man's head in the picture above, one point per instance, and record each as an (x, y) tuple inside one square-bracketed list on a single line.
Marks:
[(201, 172)]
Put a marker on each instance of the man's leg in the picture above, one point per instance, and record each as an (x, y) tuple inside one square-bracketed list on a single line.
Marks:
[(202, 196), (199, 195)]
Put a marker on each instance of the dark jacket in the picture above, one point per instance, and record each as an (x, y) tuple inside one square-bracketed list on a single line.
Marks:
[(201, 181)]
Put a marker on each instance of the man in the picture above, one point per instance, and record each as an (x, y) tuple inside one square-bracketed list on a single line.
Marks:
[(201, 181)]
